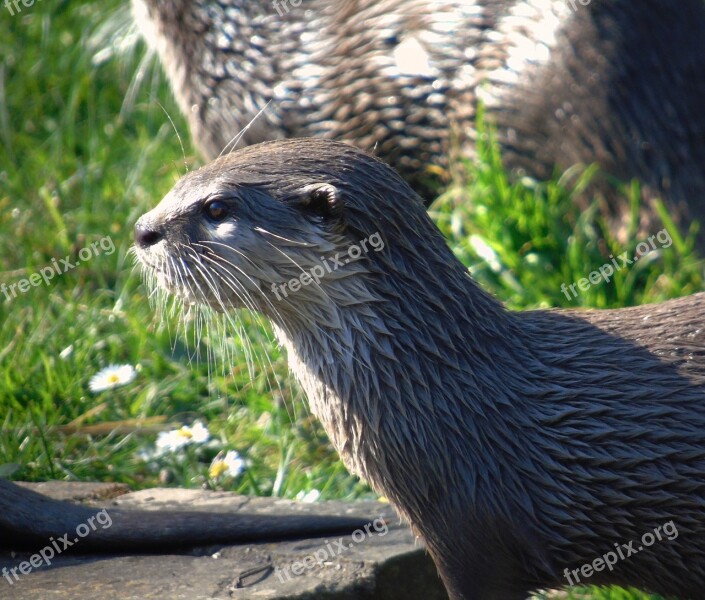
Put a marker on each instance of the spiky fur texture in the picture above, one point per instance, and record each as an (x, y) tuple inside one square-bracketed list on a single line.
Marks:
[(517, 444)]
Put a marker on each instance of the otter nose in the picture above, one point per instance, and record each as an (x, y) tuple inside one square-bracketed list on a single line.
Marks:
[(145, 236)]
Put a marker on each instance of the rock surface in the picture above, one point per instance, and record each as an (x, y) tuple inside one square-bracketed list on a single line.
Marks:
[(385, 562)]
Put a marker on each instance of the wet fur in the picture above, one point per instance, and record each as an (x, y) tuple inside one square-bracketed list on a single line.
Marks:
[(517, 444)]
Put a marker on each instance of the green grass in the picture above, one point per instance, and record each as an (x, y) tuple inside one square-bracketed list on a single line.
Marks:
[(77, 164), (74, 168), (523, 241)]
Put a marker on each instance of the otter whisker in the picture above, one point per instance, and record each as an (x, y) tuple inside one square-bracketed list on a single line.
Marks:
[(219, 263), (205, 244), (166, 303), (209, 278), (280, 318), (237, 288), (176, 131), (244, 296), (237, 137), (200, 314), (284, 239), (185, 315), (330, 338), (274, 310)]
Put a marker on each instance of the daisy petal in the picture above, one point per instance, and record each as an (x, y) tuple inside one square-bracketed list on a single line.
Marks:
[(112, 377)]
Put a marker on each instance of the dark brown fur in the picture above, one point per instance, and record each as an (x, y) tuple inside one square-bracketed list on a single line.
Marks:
[(518, 444), (29, 520)]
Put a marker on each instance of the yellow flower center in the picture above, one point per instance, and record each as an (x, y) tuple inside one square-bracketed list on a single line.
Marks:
[(113, 378), (217, 469), (185, 432)]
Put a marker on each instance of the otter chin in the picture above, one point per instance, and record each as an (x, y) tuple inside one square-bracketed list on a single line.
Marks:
[(521, 446)]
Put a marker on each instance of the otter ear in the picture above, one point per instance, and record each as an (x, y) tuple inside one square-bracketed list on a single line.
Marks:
[(321, 199)]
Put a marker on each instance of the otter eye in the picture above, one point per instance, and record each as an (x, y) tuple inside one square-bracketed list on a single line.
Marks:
[(216, 210)]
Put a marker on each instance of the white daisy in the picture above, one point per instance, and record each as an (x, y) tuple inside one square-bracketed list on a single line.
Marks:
[(308, 497), (111, 377), (230, 465), (199, 433), (170, 441)]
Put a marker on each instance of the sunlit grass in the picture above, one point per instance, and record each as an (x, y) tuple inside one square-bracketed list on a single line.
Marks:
[(77, 164)]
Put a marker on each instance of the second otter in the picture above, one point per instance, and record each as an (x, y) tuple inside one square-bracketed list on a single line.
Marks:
[(520, 446), (619, 83)]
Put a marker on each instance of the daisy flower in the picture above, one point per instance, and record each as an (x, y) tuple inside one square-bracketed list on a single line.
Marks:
[(308, 497), (230, 465), (111, 377), (170, 441)]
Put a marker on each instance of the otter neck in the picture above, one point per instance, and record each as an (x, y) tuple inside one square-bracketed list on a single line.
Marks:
[(383, 379)]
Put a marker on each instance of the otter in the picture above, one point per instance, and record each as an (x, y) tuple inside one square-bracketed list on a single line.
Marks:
[(565, 83), (532, 449)]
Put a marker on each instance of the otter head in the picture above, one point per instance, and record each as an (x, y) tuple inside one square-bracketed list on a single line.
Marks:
[(281, 228)]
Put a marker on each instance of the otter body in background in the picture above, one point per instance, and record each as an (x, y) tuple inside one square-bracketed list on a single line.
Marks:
[(520, 446), (618, 82)]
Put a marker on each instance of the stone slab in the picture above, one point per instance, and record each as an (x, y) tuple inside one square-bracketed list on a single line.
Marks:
[(384, 563)]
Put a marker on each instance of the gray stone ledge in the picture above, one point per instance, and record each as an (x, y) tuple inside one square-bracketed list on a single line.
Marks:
[(380, 567)]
